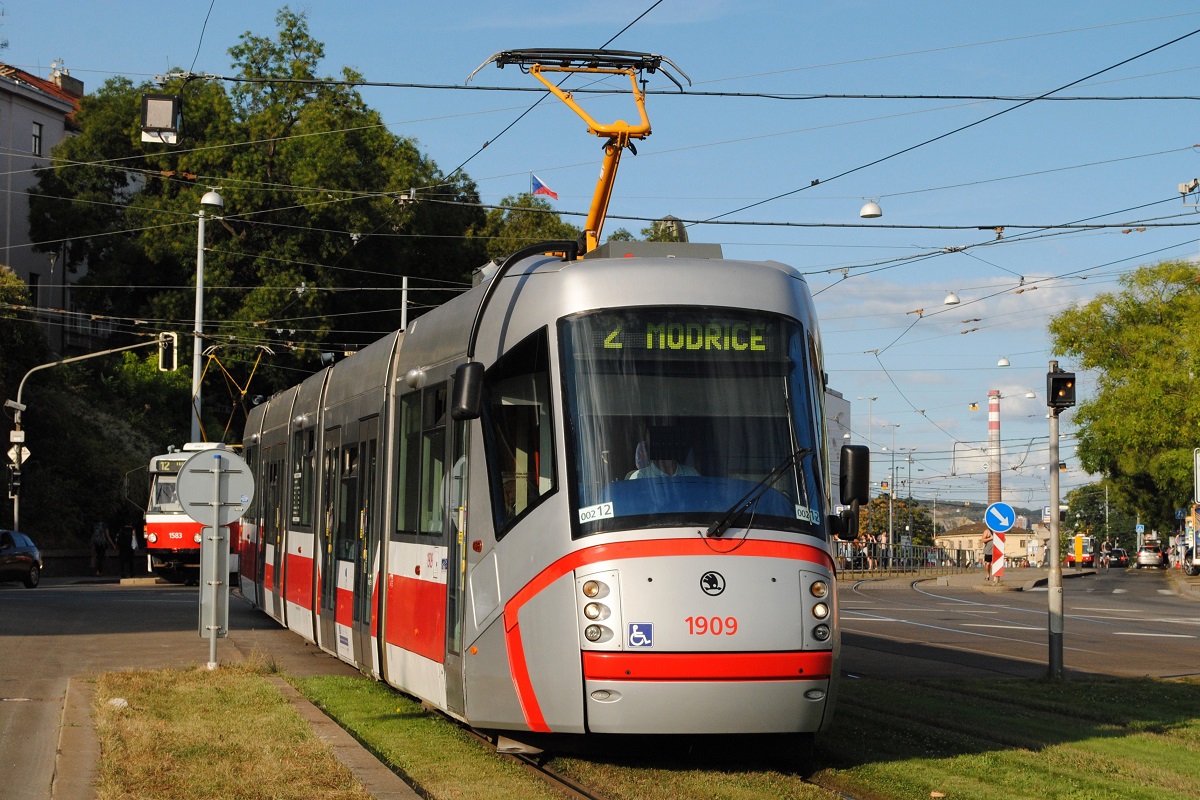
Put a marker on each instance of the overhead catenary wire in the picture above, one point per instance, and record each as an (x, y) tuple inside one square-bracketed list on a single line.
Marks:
[(959, 129)]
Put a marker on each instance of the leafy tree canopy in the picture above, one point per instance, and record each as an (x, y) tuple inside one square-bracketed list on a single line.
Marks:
[(325, 211), (1142, 345), (908, 518), (520, 222)]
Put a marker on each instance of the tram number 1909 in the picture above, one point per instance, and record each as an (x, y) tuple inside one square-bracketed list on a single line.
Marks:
[(715, 626)]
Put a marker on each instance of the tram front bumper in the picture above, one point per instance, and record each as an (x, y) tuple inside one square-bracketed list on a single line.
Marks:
[(706, 693)]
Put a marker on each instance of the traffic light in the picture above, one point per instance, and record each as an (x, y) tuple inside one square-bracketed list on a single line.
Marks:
[(1060, 389), (168, 350), (14, 481)]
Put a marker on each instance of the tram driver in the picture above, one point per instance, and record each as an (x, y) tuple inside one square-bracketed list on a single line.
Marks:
[(665, 452)]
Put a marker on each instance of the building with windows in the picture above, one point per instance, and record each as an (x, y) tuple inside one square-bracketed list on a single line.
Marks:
[(35, 115)]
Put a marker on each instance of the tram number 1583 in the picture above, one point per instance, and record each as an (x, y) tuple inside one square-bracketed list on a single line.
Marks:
[(716, 626)]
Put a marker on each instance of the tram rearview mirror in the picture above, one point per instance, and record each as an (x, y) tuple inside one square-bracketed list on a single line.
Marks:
[(854, 478), (468, 391)]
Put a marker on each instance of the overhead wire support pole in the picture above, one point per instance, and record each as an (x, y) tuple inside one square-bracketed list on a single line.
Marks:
[(620, 134), (19, 407)]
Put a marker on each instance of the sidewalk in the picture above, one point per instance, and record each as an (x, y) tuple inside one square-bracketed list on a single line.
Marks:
[(78, 753), (1014, 580)]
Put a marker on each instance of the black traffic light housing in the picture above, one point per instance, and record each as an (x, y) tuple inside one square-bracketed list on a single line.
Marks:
[(1060, 389), (168, 352)]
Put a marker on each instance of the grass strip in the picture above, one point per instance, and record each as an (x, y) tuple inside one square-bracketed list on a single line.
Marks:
[(440, 758), (1126, 739), (184, 734), (985, 740)]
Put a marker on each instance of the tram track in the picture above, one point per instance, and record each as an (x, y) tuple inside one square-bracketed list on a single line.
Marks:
[(571, 788), (560, 782)]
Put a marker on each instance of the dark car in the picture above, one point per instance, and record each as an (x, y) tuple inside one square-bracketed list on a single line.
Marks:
[(19, 559), (1117, 557)]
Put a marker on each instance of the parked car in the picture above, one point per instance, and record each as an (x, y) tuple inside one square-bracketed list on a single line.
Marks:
[(1151, 555), (19, 559), (1117, 557)]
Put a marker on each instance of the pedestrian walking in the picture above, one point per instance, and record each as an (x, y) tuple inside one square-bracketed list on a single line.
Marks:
[(126, 549), (101, 542)]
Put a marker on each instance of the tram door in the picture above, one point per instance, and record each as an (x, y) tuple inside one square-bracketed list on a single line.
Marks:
[(331, 473), (272, 538), (366, 551), (456, 565)]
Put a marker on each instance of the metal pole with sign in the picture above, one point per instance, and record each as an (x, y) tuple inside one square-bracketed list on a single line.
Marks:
[(1000, 519), (215, 488)]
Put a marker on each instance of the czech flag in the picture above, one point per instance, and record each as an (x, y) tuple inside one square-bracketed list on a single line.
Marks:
[(537, 187)]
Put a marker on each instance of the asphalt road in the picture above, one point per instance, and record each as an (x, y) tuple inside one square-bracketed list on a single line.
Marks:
[(1116, 622), (64, 629)]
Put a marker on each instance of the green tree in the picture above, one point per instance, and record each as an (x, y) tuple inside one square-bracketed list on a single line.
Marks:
[(667, 229), (906, 519), (1142, 345), (1087, 513), (326, 211), (520, 222)]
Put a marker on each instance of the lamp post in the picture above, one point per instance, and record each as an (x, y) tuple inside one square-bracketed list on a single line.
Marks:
[(870, 416), (212, 201), (892, 486)]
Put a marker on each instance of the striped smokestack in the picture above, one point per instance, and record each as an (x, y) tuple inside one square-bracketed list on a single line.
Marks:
[(994, 447)]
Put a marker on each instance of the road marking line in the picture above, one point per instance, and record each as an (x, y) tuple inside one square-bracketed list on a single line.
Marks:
[(1160, 635), (1005, 627)]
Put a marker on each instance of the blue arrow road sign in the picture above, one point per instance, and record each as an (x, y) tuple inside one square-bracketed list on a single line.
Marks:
[(1000, 517)]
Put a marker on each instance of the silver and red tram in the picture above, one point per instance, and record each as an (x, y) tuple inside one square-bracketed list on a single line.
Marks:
[(615, 519), (172, 538)]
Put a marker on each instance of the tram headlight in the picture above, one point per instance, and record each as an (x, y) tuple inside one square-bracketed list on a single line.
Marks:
[(593, 633), (821, 633), (820, 611), (591, 589), (593, 611), (196, 538), (152, 538), (819, 589)]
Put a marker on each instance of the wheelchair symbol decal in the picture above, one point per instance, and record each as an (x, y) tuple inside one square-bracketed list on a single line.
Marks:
[(641, 634)]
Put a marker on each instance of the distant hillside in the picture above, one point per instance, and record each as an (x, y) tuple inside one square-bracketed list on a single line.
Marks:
[(955, 514)]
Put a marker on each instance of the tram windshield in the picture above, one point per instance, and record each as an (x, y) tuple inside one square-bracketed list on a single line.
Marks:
[(677, 413), (163, 496)]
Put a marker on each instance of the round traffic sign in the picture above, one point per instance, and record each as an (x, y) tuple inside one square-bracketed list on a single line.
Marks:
[(198, 489), (1000, 517)]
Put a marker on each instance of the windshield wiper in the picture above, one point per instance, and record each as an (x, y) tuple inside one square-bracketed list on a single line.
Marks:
[(757, 491)]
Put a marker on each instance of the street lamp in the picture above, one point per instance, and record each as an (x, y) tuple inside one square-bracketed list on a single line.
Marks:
[(213, 202), (870, 414), (892, 487)]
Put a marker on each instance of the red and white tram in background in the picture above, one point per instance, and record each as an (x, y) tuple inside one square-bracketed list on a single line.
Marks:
[(172, 538), (588, 496)]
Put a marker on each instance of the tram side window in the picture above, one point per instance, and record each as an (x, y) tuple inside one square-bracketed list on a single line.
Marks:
[(422, 461), (304, 470), (519, 427)]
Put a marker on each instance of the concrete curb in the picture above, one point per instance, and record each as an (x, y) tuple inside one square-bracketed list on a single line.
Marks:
[(379, 780), (78, 757)]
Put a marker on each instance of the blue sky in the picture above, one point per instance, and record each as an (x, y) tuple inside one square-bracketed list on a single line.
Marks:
[(1046, 163)]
